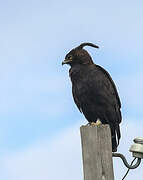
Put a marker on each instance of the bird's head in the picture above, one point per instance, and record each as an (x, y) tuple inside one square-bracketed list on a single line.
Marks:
[(79, 55)]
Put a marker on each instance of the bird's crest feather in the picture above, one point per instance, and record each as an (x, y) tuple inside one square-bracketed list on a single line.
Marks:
[(87, 44)]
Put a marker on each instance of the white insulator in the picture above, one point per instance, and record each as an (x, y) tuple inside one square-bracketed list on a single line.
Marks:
[(137, 148)]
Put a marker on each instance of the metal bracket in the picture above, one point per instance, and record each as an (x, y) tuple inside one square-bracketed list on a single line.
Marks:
[(125, 161)]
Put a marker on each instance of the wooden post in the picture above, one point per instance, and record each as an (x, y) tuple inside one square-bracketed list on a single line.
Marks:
[(97, 152)]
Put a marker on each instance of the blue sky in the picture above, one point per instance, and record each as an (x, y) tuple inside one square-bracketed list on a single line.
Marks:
[(37, 108)]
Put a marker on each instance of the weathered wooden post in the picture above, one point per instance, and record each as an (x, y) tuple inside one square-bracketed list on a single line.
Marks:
[(97, 152)]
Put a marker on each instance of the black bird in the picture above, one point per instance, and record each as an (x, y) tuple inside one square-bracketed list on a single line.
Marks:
[(94, 91)]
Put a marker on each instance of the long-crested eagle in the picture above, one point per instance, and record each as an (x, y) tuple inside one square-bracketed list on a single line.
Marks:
[(94, 91)]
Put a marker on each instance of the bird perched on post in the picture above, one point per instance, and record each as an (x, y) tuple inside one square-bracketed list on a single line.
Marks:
[(94, 91)]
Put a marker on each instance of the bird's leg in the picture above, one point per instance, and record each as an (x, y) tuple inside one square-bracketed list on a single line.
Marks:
[(97, 123)]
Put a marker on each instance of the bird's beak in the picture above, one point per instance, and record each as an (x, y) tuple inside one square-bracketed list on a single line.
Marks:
[(66, 61)]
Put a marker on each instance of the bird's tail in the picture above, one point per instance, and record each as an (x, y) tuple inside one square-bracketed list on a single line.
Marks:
[(116, 135)]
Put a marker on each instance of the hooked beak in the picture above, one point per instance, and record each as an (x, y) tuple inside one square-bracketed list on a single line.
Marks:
[(66, 61)]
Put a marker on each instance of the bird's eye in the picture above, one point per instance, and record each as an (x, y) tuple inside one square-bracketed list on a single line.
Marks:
[(70, 57)]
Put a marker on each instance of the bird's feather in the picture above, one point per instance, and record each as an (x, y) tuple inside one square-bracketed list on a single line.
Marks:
[(95, 93)]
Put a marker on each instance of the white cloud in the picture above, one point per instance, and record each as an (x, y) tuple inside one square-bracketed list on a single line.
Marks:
[(61, 158)]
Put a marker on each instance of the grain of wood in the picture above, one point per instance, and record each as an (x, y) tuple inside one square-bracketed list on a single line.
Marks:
[(97, 152)]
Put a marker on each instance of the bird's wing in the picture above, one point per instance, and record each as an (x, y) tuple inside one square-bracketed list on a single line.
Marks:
[(112, 83), (104, 93)]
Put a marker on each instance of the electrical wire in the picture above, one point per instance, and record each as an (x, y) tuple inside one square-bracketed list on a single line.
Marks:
[(129, 169)]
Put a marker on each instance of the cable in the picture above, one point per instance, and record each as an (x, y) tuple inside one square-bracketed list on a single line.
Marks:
[(128, 169)]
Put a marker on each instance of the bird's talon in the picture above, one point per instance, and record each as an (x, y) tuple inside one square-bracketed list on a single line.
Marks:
[(97, 123)]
